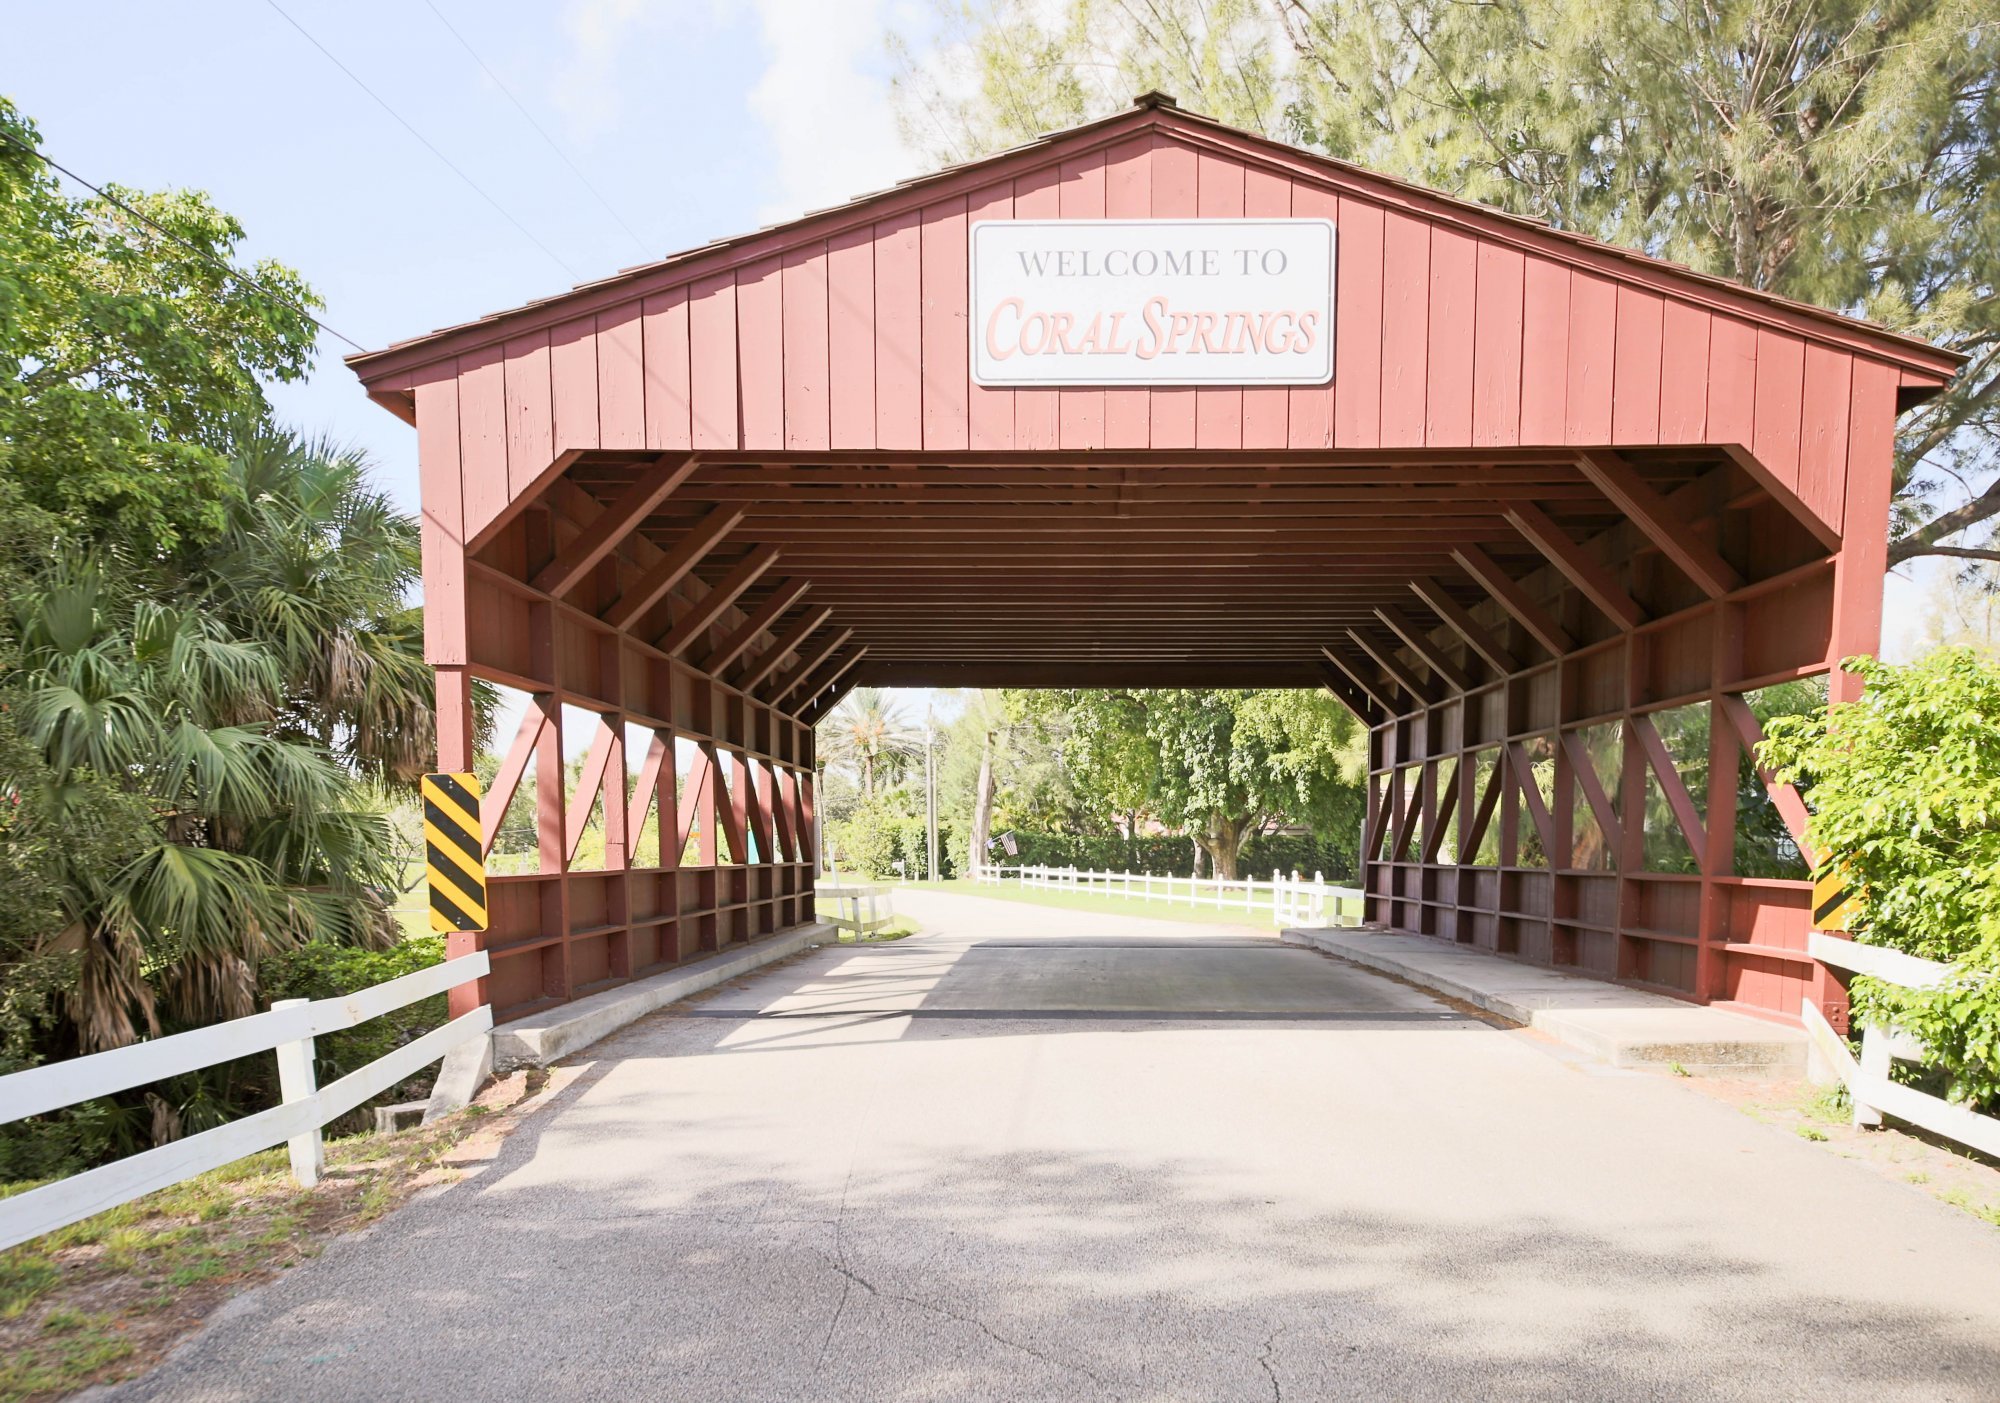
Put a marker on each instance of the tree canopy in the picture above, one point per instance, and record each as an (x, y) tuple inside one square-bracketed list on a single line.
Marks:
[(1834, 151)]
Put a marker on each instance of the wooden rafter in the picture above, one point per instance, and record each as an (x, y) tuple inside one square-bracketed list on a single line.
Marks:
[(809, 663), (1584, 570), (673, 567), (1459, 619), (1507, 592), (703, 614), (1440, 662), (1398, 671), (1374, 691), (761, 665), (764, 617), (816, 686), (614, 523), (1662, 523)]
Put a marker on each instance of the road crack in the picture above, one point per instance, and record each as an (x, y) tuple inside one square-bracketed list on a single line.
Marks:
[(1264, 1361)]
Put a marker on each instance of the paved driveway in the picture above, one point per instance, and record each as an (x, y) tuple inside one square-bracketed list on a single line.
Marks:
[(1041, 1155)]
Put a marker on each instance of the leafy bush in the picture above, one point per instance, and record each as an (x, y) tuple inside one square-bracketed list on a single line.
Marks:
[(1906, 792)]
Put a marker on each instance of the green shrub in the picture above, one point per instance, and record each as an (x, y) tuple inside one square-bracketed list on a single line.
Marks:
[(1905, 790)]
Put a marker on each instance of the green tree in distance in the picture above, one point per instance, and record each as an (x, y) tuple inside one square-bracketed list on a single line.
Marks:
[(1834, 151)]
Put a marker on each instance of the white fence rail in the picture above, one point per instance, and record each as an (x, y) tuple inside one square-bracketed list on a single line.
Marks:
[(1870, 1086), (861, 909), (1292, 901), (288, 1030)]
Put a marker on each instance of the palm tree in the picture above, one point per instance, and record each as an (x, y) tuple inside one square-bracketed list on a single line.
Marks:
[(868, 732), (226, 705)]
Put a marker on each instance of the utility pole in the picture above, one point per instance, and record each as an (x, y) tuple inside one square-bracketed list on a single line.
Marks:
[(930, 800)]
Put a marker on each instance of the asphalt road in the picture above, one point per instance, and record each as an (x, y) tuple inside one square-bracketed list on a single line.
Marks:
[(1040, 1155)]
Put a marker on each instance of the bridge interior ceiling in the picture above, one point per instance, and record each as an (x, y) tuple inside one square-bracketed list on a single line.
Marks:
[(1241, 569)]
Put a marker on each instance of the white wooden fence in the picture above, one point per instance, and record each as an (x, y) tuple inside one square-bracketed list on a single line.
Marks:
[(1289, 901), (288, 1030), (1868, 1081), (861, 909)]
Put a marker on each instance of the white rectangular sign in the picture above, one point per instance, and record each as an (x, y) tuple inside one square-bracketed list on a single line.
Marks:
[(1152, 302)]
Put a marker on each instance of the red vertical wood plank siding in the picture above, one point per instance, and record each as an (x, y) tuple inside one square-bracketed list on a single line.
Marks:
[(666, 348), (1128, 194), (1357, 319), (944, 324), (1684, 336), (1081, 411), (1174, 195), (573, 383), (1406, 283), (1545, 287), (1593, 327), (1496, 349), (1781, 369), (1218, 413), (989, 409), (1038, 413), (850, 339), (1823, 432), (899, 342), (482, 436), (530, 418), (1635, 368), (1302, 415), (1448, 377), (1267, 408), (621, 379), (1864, 554), (805, 333), (760, 340), (712, 361), (441, 536), (1732, 382)]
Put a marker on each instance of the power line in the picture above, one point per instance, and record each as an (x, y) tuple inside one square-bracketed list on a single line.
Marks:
[(197, 250), (425, 141), (561, 155)]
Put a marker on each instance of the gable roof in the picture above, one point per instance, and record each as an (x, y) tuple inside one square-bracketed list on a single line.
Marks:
[(389, 372)]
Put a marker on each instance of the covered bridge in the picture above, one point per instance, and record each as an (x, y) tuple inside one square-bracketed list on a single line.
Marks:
[(1541, 511)]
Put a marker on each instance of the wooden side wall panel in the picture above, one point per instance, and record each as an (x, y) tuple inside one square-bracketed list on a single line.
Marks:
[(573, 384), (944, 291), (482, 437), (1357, 319), (1685, 334), (850, 339), (531, 421), (441, 538), (990, 408), (1781, 366), (899, 334), (1635, 367), (1037, 413), (1593, 329), (621, 379), (1081, 411), (805, 340), (1732, 381), (1128, 194), (1175, 196), (1823, 432), (665, 339), (1498, 334), (1218, 412), (1406, 328), (712, 361), (1545, 353), (1267, 408), (1454, 275), (760, 337)]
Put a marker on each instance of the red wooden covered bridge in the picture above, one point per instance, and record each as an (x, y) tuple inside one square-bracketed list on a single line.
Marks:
[(1551, 516)]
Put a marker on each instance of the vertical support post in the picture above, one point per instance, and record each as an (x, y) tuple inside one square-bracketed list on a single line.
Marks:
[(297, 1083), (1874, 1063)]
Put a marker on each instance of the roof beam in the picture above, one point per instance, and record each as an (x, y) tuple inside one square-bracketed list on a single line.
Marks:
[(764, 664), (704, 613), (766, 615), (807, 664), (834, 669), (1583, 569), (1461, 622), (1439, 661), (614, 523), (686, 553), (1369, 688), (1398, 672), (1539, 623), (1660, 520)]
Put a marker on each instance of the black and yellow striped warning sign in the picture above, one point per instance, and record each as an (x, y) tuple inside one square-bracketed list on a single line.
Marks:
[(1836, 900), (452, 853)]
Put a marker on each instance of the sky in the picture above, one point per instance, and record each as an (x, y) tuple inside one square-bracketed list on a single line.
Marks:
[(668, 123)]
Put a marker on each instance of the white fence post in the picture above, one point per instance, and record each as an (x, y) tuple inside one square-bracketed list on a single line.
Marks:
[(297, 1083), (1875, 1063)]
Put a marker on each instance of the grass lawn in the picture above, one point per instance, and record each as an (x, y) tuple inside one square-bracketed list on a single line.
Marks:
[(1258, 918), (103, 1299)]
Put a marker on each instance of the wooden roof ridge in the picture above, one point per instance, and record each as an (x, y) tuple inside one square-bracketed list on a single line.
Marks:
[(1926, 366)]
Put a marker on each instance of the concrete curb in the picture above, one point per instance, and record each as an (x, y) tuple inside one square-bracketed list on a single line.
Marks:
[(1609, 1022), (542, 1038)]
